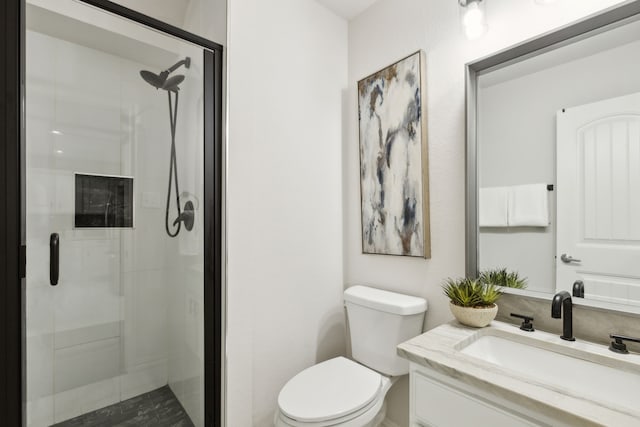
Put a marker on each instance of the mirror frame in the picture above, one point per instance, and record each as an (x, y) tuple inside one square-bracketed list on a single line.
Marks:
[(591, 25)]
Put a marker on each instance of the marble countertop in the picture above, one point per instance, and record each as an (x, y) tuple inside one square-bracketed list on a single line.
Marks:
[(439, 349)]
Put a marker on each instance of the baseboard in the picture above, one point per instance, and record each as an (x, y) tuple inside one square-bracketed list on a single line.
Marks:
[(387, 423)]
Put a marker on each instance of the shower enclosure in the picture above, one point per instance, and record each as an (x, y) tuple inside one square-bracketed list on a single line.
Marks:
[(122, 280)]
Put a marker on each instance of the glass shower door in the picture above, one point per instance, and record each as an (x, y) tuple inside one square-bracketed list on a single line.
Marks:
[(114, 172)]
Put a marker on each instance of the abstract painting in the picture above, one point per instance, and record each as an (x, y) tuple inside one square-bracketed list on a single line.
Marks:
[(394, 187)]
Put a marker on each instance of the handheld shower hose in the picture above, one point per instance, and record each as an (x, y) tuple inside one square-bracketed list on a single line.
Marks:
[(171, 85)]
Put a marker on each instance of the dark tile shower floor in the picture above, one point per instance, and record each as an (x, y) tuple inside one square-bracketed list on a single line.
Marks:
[(158, 408)]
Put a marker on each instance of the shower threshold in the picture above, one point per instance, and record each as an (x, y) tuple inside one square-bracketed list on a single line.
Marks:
[(157, 408)]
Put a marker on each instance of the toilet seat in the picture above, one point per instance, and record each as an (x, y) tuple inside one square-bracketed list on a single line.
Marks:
[(331, 392), (359, 418)]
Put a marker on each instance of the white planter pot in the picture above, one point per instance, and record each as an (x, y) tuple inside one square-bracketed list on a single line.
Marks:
[(471, 316)]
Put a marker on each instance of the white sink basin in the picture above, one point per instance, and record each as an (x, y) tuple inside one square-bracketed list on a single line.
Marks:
[(618, 385)]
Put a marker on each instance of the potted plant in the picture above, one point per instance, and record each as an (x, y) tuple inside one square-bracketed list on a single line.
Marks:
[(472, 302)]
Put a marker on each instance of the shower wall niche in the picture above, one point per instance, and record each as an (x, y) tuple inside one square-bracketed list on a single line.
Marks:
[(103, 201), (126, 317)]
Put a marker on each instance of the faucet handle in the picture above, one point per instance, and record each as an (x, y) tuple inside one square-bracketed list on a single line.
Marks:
[(618, 345), (527, 324)]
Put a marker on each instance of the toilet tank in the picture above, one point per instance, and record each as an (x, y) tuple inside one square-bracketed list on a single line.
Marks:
[(379, 321)]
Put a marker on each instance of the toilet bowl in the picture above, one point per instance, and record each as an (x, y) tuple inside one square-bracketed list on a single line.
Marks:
[(351, 393)]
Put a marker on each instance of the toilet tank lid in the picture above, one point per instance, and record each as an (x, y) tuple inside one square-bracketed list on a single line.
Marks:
[(389, 302)]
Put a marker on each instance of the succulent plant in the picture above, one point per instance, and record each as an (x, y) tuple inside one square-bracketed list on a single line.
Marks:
[(466, 292)]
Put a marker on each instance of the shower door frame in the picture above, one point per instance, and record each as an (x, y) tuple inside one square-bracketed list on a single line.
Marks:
[(13, 257)]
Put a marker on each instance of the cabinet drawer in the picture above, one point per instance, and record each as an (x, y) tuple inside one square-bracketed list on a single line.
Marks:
[(438, 405)]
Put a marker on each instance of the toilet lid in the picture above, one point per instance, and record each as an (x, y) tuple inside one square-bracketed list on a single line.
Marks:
[(329, 390)]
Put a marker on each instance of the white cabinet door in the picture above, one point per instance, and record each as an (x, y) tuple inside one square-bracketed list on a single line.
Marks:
[(434, 404)]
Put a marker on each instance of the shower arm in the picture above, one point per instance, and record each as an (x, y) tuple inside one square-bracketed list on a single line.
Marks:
[(186, 62)]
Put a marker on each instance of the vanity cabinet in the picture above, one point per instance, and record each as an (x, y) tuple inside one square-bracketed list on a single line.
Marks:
[(441, 401)]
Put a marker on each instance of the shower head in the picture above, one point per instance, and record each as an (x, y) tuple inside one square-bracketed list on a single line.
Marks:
[(155, 80), (172, 83), (162, 80)]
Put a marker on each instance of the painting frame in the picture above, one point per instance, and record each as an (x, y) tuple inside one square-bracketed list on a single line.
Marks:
[(394, 162)]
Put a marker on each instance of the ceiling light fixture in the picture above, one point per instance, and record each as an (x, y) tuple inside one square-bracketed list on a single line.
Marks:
[(473, 18)]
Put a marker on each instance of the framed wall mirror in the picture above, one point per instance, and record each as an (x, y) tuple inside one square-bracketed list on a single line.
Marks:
[(553, 161)]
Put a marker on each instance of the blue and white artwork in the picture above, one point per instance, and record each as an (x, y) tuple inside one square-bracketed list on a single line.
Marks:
[(393, 160)]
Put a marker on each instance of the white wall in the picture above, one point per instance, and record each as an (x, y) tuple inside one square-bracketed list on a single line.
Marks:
[(287, 69), (387, 31), (517, 121)]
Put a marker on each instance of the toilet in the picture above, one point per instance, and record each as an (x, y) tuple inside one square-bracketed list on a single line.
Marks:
[(351, 393)]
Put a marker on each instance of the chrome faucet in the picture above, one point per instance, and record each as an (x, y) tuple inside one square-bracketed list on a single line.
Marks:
[(562, 303)]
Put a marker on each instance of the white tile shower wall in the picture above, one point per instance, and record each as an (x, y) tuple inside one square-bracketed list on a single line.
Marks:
[(287, 72), (384, 33), (186, 375), (184, 255), (203, 17), (100, 335), (186, 352)]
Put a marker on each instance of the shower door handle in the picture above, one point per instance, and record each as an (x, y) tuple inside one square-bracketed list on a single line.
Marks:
[(54, 258)]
